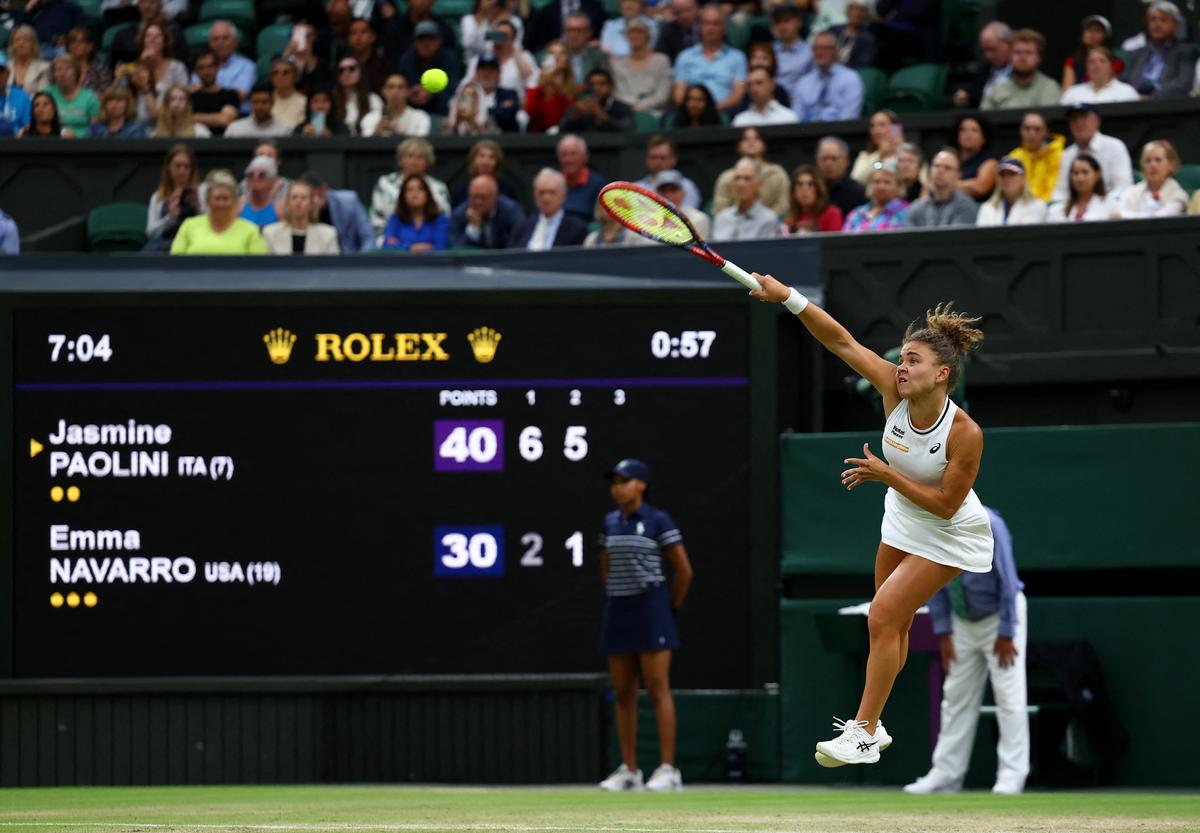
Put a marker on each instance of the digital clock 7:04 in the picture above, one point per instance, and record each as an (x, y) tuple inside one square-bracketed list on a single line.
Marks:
[(80, 348)]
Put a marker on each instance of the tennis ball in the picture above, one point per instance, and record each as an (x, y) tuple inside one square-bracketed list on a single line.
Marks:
[(434, 80)]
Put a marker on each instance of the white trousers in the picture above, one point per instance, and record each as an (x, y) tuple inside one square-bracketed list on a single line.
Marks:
[(962, 696)]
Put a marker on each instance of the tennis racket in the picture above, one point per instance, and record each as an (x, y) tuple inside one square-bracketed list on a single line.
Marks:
[(640, 209)]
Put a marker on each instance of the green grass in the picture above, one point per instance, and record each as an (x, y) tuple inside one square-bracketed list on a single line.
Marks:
[(547, 810)]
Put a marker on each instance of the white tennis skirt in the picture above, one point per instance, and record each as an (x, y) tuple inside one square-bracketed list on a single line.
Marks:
[(964, 541)]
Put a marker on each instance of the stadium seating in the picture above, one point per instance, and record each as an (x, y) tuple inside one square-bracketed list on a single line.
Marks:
[(875, 87), (111, 32), (264, 67), (452, 9), (4, 33), (117, 227), (238, 12), (91, 12), (644, 122), (916, 88), (272, 40)]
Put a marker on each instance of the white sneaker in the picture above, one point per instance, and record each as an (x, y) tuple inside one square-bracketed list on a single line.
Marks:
[(885, 740), (1009, 786), (623, 779), (932, 782), (665, 779), (852, 746)]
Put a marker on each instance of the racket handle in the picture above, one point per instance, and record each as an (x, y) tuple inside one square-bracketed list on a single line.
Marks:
[(740, 275)]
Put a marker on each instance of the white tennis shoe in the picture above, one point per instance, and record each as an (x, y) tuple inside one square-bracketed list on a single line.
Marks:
[(665, 779), (853, 746), (623, 779), (885, 740), (932, 782)]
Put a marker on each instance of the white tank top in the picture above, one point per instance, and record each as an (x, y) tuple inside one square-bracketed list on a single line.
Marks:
[(919, 455)]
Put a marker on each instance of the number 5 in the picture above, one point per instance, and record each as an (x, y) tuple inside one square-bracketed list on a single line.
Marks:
[(575, 446)]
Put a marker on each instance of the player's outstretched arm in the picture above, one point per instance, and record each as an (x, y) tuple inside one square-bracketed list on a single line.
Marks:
[(837, 339)]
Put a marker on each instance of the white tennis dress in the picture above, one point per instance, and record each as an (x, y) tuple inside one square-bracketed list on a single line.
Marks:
[(964, 541)]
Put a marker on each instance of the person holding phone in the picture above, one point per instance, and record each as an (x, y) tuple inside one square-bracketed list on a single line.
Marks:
[(885, 135), (320, 119)]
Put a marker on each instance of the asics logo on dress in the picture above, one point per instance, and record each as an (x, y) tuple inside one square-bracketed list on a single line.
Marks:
[(863, 746), (934, 448)]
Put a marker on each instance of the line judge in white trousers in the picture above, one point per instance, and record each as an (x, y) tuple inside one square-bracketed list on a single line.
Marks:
[(982, 627)]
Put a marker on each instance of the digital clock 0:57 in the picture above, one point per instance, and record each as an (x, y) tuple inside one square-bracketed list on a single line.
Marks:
[(689, 344), (80, 348)]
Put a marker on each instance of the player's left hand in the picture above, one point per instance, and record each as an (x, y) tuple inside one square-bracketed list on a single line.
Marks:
[(866, 468), (1005, 650)]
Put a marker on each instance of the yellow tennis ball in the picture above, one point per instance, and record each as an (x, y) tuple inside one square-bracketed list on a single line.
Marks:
[(434, 80)]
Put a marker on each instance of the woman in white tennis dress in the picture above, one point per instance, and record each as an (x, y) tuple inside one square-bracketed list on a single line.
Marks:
[(934, 526)]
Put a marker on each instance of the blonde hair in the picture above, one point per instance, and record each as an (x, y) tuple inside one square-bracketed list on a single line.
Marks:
[(168, 127), (416, 145), (220, 178), (949, 334), (1168, 150), (287, 209)]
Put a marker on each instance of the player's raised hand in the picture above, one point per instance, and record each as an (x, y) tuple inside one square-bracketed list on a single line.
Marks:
[(866, 468), (772, 290)]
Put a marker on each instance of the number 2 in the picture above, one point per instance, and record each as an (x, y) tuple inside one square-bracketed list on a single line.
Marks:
[(532, 556)]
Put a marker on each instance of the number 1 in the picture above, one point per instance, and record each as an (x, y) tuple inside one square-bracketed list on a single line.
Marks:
[(574, 545)]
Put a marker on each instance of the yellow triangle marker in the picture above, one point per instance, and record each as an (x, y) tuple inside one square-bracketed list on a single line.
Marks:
[(35, 448)]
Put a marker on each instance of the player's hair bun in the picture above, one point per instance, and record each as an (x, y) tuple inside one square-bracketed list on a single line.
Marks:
[(955, 326)]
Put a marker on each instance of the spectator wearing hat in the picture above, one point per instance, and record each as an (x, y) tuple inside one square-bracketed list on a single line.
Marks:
[(642, 79), (1097, 31), (764, 109), (398, 31), (829, 91), (1102, 86), (614, 34), (498, 104), (10, 235), (550, 226), (427, 52), (1040, 153), (598, 110), (486, 219), (583, 183), (640, 608), (1026, 86), (747, 218), (672, 185), (683, 30), (833, 164), (1164, 67), (16, 110), (1111, 155), (397, 118), (712, 62), (856, 47), (661, 156), (517, 69), (1012, 203), (261, 123), (945, 205), (995, 42), (259, 204), (118, 117), (885, 211), (793, 57), (1158, 194)]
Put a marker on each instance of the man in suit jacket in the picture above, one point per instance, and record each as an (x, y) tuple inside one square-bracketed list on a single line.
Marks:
[(502, 104), (546, 24), (487, 218), (856, 45), (344, 211), (682, 32), (1164, 67), (550, 226)]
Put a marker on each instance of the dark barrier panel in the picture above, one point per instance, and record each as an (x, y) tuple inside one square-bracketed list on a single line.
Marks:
[(1071, 495), (44, 183), (1144, 647), (503, 729)]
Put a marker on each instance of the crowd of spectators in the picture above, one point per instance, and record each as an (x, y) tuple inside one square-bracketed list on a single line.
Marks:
[(354, 70)]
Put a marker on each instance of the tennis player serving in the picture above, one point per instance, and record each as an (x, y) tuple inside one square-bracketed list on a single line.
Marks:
[(934, 527)]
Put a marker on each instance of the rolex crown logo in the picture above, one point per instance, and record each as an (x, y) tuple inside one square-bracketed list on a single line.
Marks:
[(279, 344), (484, 342)]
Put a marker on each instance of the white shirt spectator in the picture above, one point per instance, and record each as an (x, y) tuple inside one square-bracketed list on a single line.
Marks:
[(510, 74), (1114, 161), (758, 223), (374, 105), (1138, 201), (1096, 209), (249, 128), (775, 113), (1112, 92), (473, 36), (1024, 212), (412, 122)]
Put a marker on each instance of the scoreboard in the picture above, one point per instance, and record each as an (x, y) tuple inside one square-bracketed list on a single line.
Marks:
[(332, 484)]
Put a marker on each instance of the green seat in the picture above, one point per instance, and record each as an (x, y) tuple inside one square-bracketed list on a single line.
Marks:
[(238, 12), (875, 88), (916, 88), (111, 32), (1188, 176), (272, 40), (196, 36), (738, 34), (4, 33), (453, 8), (540, 4), (117, 227), (644, 122), (91, 12), (264, 68), (612, 8)]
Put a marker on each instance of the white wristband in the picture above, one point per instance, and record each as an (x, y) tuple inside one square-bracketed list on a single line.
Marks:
[(795, 302)]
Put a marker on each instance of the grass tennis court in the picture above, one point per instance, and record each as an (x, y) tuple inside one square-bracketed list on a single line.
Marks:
[(579, 810)]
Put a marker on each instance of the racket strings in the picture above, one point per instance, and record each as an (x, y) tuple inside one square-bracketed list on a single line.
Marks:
[(647, 217)]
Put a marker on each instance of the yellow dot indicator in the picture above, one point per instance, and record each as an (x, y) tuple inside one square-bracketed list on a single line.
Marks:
[(56, 600), (72, 493), (90, 599), (72, 600), (56, 493)]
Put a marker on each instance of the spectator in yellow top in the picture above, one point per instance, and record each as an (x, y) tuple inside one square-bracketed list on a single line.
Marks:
[(1041, 154), (221, 231)]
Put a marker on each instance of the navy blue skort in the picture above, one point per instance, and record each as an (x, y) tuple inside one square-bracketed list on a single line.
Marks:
[(639, 624)]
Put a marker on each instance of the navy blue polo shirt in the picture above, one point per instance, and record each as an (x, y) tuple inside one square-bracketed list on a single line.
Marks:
[(635, 546)]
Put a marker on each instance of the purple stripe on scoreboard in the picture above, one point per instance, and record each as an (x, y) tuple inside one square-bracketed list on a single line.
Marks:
[(468, 445)]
